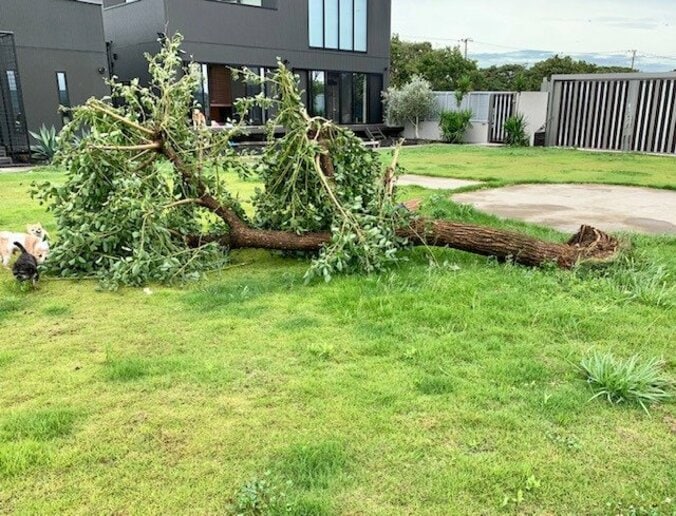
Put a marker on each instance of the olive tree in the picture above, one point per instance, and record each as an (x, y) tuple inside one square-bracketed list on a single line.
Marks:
[(413, 102)]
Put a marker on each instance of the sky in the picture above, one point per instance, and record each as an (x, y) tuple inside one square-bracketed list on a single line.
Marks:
[(526, 31)]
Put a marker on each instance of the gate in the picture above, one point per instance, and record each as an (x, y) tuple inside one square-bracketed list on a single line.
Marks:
[(621, 112), (502, 107), (13, 131)]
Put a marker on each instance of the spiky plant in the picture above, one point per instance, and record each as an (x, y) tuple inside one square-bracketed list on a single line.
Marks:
[(633, 380)]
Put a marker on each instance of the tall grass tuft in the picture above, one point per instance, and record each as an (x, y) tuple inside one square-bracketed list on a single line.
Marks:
[(632, 380)]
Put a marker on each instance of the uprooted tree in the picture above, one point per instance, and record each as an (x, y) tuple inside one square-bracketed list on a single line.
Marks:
[(146, 194)]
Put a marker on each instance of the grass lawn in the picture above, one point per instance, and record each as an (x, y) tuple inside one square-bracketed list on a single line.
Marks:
[(503, 165), (447, 386)]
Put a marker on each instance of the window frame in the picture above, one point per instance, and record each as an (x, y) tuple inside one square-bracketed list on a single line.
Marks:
[(65, 113), (354, 28)]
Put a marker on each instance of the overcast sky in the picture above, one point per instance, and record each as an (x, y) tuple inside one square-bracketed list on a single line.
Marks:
[(602, 31)]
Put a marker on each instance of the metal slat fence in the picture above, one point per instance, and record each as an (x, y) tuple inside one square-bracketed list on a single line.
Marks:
[(623, 112)]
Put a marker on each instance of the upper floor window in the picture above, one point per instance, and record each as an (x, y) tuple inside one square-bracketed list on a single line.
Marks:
[(338, 24), (270, 4)]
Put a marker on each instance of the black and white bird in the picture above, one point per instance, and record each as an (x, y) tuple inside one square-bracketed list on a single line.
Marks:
[(26, 266)]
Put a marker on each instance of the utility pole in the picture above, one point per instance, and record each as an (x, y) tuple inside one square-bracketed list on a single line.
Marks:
[(466, 41), (633, 58)]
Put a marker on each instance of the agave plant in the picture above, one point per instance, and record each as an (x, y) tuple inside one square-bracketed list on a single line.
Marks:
[(47, 144), (515, 131)]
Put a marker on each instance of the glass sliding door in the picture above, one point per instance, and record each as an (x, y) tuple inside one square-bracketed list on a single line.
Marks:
[(359, 99), (375, 106), (346, 92), (317, 95), (333, 96)]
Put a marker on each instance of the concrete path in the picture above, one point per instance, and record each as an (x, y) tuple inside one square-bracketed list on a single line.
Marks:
[(566, 207), (437, 183), (15, 170)]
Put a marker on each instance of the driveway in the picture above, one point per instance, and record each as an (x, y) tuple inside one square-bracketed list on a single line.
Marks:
[(566, 207)]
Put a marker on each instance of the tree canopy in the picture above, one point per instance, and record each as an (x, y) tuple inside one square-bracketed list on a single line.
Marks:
[(445, 68)]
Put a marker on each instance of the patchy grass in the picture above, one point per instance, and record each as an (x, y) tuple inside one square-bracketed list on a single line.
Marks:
[(446, 386), (505, 165), (37, 425)]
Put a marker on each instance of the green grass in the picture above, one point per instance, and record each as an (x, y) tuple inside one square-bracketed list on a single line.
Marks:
[(445, 386), (506, 165)]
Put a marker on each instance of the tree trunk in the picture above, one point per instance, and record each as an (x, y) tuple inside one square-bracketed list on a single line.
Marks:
[(588, 244)]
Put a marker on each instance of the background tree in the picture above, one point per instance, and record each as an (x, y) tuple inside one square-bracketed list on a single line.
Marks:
[(444, 67), (462, 87), (413, 102)]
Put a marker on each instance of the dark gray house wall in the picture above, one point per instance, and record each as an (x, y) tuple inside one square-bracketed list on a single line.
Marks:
[(56, 36), (132, 29), (217, 32), (222, 33)]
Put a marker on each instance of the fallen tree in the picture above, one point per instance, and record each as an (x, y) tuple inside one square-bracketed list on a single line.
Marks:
[(146, 200)]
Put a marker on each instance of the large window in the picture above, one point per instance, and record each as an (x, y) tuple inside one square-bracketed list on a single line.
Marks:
[(64, 97), (346, 98), (338, 24)]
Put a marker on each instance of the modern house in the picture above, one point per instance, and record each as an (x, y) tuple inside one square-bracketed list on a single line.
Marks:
[(339, 48), (52, 53)]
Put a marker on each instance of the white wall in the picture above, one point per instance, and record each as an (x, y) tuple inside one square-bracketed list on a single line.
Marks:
[(532, 104)]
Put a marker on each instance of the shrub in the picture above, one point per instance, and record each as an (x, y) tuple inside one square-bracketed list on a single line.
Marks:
[(454, 125), (515, 131), (412, 103), (47, 144), (261, 496), (631, 380)]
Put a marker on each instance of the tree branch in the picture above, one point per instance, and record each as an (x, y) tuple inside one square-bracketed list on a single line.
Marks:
[(103, 108)]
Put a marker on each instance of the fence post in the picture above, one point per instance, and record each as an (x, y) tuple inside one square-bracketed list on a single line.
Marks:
[(553, 113), (630, 115)]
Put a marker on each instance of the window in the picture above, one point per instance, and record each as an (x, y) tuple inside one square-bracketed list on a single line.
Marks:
[(338, 24), (331, 24), (346, 26), (360, 25), (13, 91), (316, 17), (345, 97), (269, 4), (64, 98)]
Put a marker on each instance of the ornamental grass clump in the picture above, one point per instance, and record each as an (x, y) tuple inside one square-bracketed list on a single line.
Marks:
[(633, 380)]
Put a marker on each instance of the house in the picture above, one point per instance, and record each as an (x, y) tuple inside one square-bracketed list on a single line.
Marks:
[(52, 53), (339, 48)]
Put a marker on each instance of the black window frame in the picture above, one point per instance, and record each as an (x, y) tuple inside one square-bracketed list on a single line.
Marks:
[(354, 31), (65, 113)]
